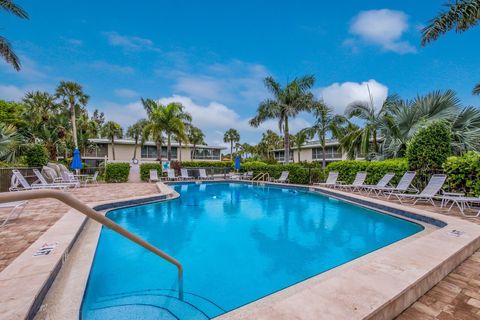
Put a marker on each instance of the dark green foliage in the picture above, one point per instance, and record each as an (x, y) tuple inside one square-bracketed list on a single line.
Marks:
[(206, 164), (347, 169), (145, 170), (117, 172), (36, 155), (297, 173), (429, 148), (464, 173)]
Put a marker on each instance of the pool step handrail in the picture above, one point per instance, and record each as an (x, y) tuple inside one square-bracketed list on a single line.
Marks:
[(261, 177), (81, 207)]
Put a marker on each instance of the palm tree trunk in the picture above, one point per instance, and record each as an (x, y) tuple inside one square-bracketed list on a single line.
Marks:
[(135, 149), (113, 148), (193, 151), (159, 152), (299, 155), (324, 161), (74, 123), (375, 144), (169, 148), (286, 141), (180, 148), (231, 150)]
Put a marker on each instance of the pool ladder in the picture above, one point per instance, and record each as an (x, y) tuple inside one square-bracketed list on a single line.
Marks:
[(81, 207), (261, 177)]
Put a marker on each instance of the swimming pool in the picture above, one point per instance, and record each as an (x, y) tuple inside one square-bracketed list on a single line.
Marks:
[(237, 243)]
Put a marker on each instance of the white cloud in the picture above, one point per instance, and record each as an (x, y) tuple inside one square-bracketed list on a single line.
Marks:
[(124, 114), (30, 70), (126, 93), (340, 95), (10, 93), (384, 28), (130, 43), (114, 68)]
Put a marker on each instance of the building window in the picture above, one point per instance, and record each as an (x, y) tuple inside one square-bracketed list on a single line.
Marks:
[(96, 151), (280, 155), (206, 154), (150, 152), (331, 152)]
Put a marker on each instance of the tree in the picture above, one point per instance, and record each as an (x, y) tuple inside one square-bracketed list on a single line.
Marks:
[(287, 102), (195, 137), (40, 108), (269, 142), (325, 122), (5, 47), (10, 143), (155, 126), (135, 132), (231, 136), (460, 16), (72, 97), (476, 90), (112, 130)]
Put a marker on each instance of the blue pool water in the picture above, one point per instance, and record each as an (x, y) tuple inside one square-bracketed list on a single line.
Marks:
[(237, 243)]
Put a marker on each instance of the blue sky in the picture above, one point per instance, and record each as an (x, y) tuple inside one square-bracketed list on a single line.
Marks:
[(213, 55)]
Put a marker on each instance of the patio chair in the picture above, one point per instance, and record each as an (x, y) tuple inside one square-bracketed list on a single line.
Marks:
[(403, 186), (283, 177), (57, 171), (153, 176), (69, 177), (384, 181), (461, 201), (92, 179), (357, 183), (14, 205), (18, 183), (202, 174), (331, 180), (60, 185), (184, 174), (171, 175), (247, 175), (234, 176), (433, 187)]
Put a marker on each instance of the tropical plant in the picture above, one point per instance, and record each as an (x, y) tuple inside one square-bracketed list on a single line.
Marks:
[(287, 102), (476, 90), (195, 137), (74, 99), (10, 143), (174, 118), (459, 16), (5, 47), (325, 122), (231, 136), (112, 130), (155, 125), (40, 109), (135, 132), (36, 155), (299, 140), (269, 142)]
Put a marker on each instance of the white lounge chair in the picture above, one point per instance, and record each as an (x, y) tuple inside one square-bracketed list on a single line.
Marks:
[(69, 177), (283, 177), (184, 174), (92, 179), (357, 183), (202, 174), (234, 176), (14, 205), (403, 186), (247, 175), (18, 183), (153, 176), (433, 187), (171, 175), (382, 183), (331, 180), (60, 185), (461, 201)]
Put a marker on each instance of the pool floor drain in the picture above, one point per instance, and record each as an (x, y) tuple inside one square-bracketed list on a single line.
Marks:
[(455, 233)]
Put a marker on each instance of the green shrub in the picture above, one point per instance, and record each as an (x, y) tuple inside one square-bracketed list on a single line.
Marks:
[(145, 170), (464, 173), (117, 172), (429, 148), (36, 155), (297, 173), (205, 164), (347, 169)]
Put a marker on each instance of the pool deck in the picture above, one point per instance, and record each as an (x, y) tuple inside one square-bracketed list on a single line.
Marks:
[(455, 297)]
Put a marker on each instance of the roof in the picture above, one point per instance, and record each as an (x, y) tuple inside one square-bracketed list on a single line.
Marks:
[(151, 143)]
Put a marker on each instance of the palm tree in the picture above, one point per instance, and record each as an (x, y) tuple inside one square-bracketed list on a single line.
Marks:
[(72, 97), (195, 137), (231, 136), (10, 142), (476, 90), (325, 122), (460, 16), (269, 142), (40, 109), (155, 125), (174, 118), (135, 131), (112, 130), (5, 48), (466, 130), (287, 103), (299, 140)]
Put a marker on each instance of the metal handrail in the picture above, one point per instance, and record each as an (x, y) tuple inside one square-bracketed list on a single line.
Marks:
[(78, 205), (261, 176)]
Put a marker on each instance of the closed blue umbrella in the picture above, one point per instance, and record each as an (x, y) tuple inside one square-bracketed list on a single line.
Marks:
[(76, 161), (237, 162)]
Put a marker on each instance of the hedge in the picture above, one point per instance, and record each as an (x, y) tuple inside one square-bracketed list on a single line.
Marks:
[(347, 169), (297, 173), (463, 173), (204, 164), (145, 170), (117, 172)]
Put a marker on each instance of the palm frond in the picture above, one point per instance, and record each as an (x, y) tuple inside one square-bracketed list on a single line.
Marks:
[(7, 52), (13, 8), (476, 89)]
